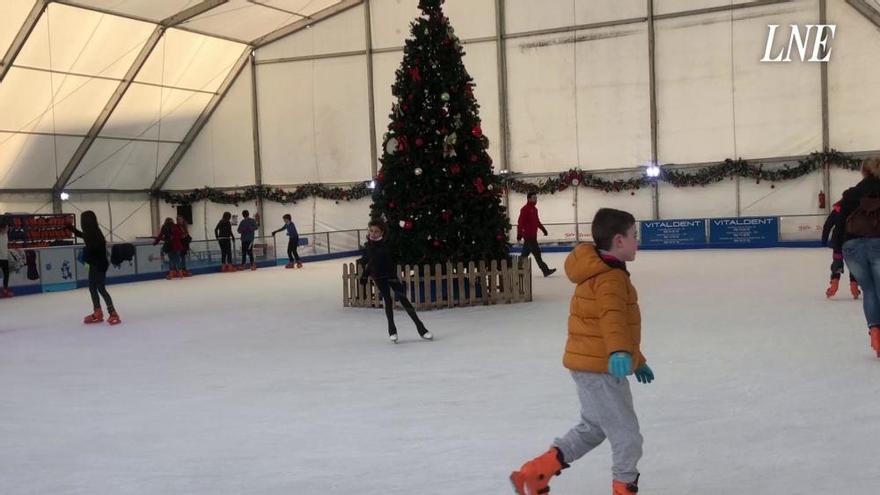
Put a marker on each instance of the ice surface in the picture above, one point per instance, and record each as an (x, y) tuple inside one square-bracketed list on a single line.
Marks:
[(261, 383)]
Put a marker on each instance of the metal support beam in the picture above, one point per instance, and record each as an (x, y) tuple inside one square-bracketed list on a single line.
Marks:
[(104, 116), (862, 6), (722, 8), (305, 23), (201, 121), (194, 11), (826, 128), (154, 215), (371, 100), (30, 23), (501, 64), (258, 156), (652, 73)]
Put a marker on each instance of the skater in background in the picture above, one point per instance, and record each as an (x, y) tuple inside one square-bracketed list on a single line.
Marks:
[(95, 255), (382, 268), (4, 256), (831, 232), (223, 233), (185, 241), (860, 209), (171, 238), (604, 335), (527, 231), (292, 241), (247, 229)]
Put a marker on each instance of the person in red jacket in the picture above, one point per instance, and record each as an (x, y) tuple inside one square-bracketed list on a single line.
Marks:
[(171, 237), (527, 231)]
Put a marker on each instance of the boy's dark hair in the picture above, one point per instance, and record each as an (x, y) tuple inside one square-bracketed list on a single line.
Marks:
[(227, 215), (609, 222), (531, 194), (287, 217), (380, 224), (245, 213), (88, 221)]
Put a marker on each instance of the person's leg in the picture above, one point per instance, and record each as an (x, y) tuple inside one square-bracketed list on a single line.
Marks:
[(856, 254), (291, 248), (101, 282), (400, 294), (535, 249), (388, 303), (244, 245), (4, 265), (93, 288)]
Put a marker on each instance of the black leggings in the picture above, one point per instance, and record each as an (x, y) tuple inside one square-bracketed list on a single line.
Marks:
[(247, 249), (385, 287), (530, 246), (225, 251), (97, 284), (4, 265), (292, 244)]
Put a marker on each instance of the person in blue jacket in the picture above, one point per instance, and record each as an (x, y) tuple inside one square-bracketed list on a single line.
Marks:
[(292, 241), (247, 228)]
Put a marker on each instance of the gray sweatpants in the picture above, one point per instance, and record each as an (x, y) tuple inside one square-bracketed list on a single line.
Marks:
[(606, 412)]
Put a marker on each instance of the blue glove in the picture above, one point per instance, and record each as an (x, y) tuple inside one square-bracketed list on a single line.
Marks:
[(620, 364), (644, 374)]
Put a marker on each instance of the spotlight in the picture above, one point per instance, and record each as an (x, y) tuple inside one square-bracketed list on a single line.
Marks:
[(64, 196), (372, 184), (653, 171)]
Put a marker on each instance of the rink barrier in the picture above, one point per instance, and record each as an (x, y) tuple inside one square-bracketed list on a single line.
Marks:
[(445, 286)]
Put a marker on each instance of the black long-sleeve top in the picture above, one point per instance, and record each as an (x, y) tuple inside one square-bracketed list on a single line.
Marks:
[(223, 230)]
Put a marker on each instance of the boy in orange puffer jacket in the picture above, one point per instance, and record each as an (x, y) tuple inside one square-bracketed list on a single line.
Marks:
[(604, 334)]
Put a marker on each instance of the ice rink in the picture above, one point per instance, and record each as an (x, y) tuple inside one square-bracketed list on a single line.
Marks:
[(262, 383)]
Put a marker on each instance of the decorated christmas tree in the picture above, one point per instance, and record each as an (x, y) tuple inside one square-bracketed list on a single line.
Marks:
[(436, 188)]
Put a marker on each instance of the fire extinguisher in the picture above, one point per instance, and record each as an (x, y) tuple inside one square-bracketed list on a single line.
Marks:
[(821, 200)]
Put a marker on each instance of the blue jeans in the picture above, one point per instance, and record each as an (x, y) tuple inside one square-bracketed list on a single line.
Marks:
[(862, 256)]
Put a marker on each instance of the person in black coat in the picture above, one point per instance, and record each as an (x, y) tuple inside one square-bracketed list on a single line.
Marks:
[(832, 232), (381, 267), (223, 233), (95, 255)]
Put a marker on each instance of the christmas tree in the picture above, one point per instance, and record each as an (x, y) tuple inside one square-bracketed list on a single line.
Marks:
[(436, 188)]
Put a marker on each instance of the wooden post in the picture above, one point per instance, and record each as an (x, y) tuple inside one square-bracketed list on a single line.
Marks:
[(438, 281), (450, 292), (459, 275), (345, 283)]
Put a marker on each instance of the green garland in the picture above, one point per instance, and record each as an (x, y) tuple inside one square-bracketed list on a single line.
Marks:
[(574, 177), (679, 178), (251, 193)]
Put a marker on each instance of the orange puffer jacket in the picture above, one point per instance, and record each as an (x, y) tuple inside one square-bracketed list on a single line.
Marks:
[(604, 316)]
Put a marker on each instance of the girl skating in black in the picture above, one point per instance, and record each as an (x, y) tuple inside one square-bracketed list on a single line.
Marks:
[(95, 255), (381, 267)]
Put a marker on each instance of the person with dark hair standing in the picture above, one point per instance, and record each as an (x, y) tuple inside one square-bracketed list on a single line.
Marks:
[(185, 240), (95, 255), (527, 231), (172, 244), (4, 257), (223, 233), (292, 241), (381, 267), (247, 228)]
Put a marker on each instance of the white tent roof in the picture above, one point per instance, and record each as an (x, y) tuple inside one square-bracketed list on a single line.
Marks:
[(101, 93)]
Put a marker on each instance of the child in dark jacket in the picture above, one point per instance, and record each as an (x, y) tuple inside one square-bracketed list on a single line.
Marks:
[(292, 241), (223, 233), (247, 228), (383, 270), (832, 234), (95, 255)]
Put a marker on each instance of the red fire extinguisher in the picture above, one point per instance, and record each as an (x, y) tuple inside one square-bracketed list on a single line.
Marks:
[(821, 200)]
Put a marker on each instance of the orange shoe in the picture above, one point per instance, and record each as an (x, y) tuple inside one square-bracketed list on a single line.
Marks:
[(172, 274), (114, 319), (96, 317), (299, 265), (832, 289), (624, 488), (290, 265), (253, 267), (854, 289), (875, 339), (533, 477), (185, 273)]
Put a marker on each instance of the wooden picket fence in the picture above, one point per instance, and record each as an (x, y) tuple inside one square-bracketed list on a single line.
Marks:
[(459, 285)]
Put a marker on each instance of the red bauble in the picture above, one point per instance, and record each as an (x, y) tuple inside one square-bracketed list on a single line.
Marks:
[(391, 205), (380, 176), (446, 215), (437, 243), (455, 169), (474, 158), (408, 225), (420, 142), (414, 74), (499, 237), (477, 131), (478, 183)]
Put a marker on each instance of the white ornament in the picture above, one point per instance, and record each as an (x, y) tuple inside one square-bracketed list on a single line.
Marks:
[(402, 223), (444, 96), (418, 171), (575, 182), (391, 146)]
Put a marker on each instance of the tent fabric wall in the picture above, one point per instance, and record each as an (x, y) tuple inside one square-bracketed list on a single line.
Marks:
[(343, 33)]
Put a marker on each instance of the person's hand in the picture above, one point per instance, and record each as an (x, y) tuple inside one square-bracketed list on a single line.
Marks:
[(620, 364), (544, 231), (837, 264), (644, 374)]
